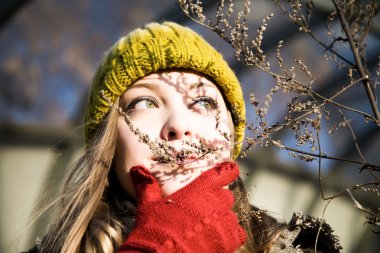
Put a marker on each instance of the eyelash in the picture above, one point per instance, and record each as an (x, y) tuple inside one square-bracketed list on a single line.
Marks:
[(139, 99), (211, 101)]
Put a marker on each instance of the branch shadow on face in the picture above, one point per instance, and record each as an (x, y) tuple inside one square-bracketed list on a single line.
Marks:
[(186, 160), (201, 91), (194, 154)]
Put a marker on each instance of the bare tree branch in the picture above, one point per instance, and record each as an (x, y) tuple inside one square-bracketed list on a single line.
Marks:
[(355, 50)]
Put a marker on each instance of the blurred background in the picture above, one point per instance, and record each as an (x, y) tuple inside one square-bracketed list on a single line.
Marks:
[(49, 50)]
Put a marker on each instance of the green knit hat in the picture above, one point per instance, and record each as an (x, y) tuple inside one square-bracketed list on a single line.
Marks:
[(161, 47)]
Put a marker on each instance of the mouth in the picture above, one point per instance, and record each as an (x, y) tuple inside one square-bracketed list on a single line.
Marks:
[(179, 158)]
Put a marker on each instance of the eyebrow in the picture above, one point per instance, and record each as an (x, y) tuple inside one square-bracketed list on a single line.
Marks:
[(152, 86), (200, 84), (156, 86)]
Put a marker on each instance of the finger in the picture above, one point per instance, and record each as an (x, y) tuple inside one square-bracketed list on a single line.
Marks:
[(218, 176), (226, 197), (242, 235), (222, 200), (146, 186), (238, 233)]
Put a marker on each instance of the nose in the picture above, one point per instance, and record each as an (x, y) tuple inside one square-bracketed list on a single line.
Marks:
[(176, 127)]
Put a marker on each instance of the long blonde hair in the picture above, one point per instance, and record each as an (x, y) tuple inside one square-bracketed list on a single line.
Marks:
[(82, 219)]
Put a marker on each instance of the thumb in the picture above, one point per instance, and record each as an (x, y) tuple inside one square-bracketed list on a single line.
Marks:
[(218, 176), (146, 186)]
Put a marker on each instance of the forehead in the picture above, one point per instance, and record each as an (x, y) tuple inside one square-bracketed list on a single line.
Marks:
[(179, 79)]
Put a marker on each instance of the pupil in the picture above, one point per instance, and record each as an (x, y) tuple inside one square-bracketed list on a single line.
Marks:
[(206, 104)]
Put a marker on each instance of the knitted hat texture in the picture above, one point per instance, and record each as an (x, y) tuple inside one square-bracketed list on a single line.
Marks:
[(158, 47)]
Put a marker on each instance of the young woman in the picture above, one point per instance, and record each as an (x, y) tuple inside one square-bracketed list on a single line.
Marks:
[(164, 123)]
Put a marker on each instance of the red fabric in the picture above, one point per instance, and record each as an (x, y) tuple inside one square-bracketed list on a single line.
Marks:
[(196, 218)]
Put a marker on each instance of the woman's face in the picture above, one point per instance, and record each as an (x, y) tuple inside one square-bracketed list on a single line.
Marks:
[(182, 111)]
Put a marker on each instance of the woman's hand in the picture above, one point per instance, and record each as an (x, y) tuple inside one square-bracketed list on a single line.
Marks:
[(196, 218)]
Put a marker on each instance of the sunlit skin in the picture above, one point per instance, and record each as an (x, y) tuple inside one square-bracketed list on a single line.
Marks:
[(174, 107)]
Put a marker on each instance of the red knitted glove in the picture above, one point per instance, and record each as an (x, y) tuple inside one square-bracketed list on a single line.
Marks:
[(196, 218)]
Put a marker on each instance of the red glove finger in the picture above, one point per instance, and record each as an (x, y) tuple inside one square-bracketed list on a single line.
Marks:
[(216, 177), (226, 197), (146, 185), (238, 236)]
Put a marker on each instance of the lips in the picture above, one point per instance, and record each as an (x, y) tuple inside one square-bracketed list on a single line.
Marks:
[(175, 155), (179, 158)]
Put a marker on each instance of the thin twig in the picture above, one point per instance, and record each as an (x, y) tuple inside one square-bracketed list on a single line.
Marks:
[(343, 106), (347, 87), (368, 26), (352, 188), (353, 136), (320, 42), (320, 164), (356, 141), (320, 225), (372, 166), (280, 127), (358, 205), (328, 100), (355, 50), (332, 97)]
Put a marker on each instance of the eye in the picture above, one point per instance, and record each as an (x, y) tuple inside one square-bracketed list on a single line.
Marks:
[(142, 103), (204, 103)]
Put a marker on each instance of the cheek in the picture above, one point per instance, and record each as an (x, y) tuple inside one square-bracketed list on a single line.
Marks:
[(129, 148), (213, 129), (216, 134), (129, 152)]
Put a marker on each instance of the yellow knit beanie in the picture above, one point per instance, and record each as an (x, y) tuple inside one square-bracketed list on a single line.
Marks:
[(160, 47)]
